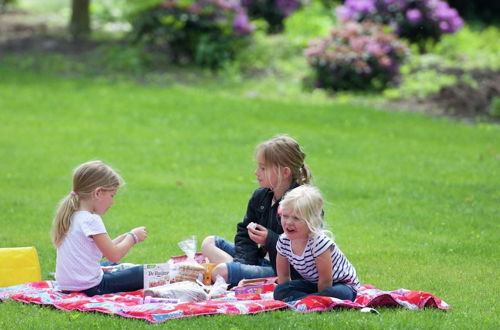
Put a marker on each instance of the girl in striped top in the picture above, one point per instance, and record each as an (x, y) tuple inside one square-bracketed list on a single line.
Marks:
[(305, 246)]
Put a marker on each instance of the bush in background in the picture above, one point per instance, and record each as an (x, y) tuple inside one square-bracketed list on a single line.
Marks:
[(419, 21), (356, 56), (486, 11), (205, 32), (274, 12)]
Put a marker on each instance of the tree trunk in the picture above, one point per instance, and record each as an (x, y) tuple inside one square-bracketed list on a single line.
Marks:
[(79, 26)]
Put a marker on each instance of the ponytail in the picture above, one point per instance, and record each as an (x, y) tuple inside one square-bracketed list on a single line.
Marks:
[(283, 151), (305, 175), (62, 220)]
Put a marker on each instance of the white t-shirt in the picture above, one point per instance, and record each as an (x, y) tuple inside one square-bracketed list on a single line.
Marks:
[(342, 270), (78, 257)]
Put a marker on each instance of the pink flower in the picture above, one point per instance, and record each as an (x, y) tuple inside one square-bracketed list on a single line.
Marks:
[(414, 15)]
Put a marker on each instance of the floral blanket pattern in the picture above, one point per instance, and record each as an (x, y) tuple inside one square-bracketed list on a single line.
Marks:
[(130, 304)]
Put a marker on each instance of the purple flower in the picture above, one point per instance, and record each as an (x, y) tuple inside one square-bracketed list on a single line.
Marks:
[(241, 24), (343, 13), (287, 7), (414, 15)]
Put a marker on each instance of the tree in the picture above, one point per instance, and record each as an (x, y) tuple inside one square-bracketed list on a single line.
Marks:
[(79, 26)]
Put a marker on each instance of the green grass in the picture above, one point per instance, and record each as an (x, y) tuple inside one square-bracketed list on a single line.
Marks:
[(413, 201)]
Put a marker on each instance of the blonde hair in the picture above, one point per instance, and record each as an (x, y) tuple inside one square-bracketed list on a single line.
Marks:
[(283, 151), (307, 203), (86, 179)]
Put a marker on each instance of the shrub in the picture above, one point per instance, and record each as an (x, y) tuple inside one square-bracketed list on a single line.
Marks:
[(486, 11), (206, 32), (495, 107), (416, 20), (358, 56), (274, 12)]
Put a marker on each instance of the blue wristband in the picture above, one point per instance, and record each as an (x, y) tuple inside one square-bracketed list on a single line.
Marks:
[(134, 236)]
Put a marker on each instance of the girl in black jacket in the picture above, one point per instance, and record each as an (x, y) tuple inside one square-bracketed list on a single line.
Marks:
[(280, 168)]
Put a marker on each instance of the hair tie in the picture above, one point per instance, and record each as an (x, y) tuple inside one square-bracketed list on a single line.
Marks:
[(74, 193)]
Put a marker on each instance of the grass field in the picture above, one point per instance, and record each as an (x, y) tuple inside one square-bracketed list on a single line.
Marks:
[(413, 201)]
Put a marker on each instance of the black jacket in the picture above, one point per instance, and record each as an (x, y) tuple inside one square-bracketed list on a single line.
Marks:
[(260, 211)]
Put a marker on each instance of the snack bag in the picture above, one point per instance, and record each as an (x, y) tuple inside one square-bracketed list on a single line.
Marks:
[(188, 270), (207, 274), (156, 275), (185, 291), (256, 285)]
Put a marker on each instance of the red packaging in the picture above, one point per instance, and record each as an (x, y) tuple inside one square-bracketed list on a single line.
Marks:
[(256, 285)]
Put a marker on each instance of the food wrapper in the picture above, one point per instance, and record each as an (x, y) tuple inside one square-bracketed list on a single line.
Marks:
[(256, 285), (185, 291), (156, 275)]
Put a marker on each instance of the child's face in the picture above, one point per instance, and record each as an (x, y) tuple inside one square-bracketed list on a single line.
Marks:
[(104, 200), (267, 176), (293, 225)]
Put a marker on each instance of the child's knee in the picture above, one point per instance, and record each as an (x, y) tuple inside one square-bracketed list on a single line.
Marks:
[(221, 270), (280, 291), (207, 244)]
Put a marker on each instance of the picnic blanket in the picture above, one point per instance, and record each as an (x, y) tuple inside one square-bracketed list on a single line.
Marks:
[(131, 304)]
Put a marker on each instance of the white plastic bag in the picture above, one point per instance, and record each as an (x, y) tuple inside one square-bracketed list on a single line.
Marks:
[(186, 291), (188, 270)]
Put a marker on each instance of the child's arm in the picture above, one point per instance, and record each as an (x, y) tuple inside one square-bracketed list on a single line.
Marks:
[(120, 238), (283, 269), (324, 266), (114, 251)]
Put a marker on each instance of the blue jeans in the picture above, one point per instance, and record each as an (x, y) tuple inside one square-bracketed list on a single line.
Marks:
[(236, 271), (129, 279), (298, 289)]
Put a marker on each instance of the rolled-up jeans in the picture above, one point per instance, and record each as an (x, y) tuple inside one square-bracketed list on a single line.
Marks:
[(298, 289), (236, 271)]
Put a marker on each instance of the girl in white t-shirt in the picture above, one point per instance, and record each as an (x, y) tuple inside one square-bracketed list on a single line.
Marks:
[(304, 245), (81, 238)]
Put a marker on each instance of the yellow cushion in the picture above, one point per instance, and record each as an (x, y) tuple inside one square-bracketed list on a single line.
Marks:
[(19, 265)]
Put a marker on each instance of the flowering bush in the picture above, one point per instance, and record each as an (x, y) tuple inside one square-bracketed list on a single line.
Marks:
[(206, 32), (416, 20), (273, 12), (357, 56)]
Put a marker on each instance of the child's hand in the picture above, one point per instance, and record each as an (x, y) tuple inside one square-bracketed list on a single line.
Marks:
[(258, 234), (141, 233)]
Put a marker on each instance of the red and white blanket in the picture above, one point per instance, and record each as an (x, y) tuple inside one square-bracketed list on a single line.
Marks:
[(130, 304)]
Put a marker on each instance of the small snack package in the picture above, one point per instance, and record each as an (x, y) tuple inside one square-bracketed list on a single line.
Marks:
[(255, 285), (156, 275), (207, 274), (190, 269)]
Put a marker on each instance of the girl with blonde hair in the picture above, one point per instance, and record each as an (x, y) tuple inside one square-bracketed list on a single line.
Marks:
[(306, 245), (81, 239)]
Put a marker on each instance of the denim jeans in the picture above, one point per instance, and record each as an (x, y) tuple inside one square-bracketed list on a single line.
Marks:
[(298, 289), (236, 271), (129, 279)]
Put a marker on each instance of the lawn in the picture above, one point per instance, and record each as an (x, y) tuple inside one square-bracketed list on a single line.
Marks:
[(413, 201)]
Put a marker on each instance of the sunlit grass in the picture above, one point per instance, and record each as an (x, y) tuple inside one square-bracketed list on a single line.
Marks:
[(413, 201)]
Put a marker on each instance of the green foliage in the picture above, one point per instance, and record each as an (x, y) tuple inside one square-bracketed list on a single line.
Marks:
[(470, 49), (467, 49), (309, 22), (274, 12), (495, 107), (420, 83), (205, 32)]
